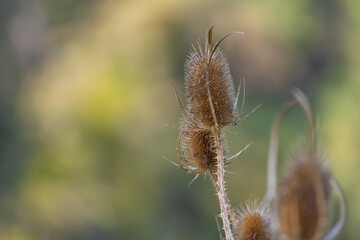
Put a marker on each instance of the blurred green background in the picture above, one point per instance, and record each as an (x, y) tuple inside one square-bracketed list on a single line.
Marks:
[(85, 91)]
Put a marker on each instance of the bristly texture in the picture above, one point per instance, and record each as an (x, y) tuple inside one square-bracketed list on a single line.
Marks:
[(303, 197), (210, 107), (220, 85), (253, 223), (199, 148)]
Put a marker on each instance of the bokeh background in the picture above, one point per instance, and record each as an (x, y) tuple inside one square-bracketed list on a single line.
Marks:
[(85, 92)]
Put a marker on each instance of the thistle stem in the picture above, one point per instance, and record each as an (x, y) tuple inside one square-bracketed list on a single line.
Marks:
[(219, 181)]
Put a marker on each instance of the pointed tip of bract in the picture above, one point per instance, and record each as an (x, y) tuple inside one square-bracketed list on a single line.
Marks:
[(254, 222)]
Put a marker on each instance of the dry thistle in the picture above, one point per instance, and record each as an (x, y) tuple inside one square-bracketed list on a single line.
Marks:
[(209, 86), (301, 207), (253, 222), (211, 106), (200, 149), (303, 195), (303, 198), (299, 210)]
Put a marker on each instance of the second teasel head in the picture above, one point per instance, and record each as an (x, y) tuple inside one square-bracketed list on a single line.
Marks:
[(209, 66), (199, 148)]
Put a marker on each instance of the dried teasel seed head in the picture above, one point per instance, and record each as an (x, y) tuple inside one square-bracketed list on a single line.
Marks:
[(254, 222), (209, 66), (303, 197), (301, 204), (199, 148)]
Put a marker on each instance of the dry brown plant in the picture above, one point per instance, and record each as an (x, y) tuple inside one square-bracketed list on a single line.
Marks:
[(299, 208)]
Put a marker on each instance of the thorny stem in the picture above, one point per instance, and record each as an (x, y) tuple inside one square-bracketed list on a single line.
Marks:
[(219, 179)]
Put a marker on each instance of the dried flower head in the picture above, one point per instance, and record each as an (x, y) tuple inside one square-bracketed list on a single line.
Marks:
[(303, 198), (253, 222), (199, 148), (209, 86)]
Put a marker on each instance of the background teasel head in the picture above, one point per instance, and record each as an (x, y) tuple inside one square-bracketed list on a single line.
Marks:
[(303, 198), (253, 221), (301, 204), (204, 68)]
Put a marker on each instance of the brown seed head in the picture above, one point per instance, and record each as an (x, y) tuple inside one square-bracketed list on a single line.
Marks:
[(303, 197), (197, 70), (199, 148), (253, 223)]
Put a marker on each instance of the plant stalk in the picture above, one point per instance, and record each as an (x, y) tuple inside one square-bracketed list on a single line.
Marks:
[(219, 181)]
